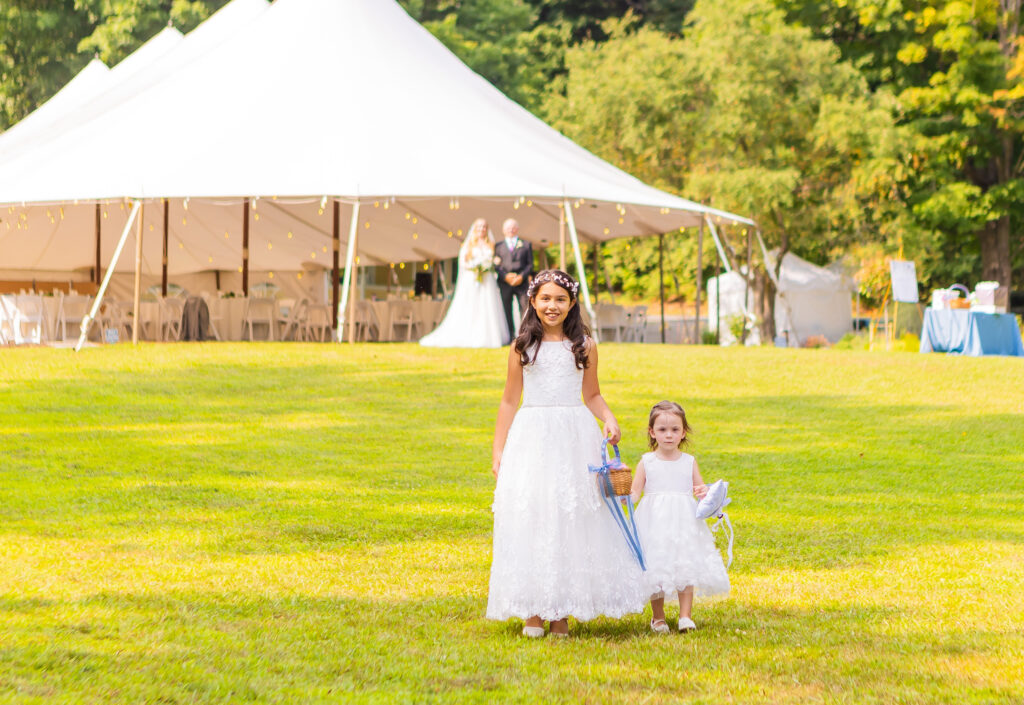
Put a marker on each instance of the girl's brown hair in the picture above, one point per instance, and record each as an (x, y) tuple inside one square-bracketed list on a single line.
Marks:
[(667, 407)]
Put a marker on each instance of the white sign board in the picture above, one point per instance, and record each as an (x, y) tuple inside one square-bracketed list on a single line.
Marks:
[(904, 281)]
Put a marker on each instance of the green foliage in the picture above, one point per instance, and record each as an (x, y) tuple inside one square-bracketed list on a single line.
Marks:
[(44, 44)]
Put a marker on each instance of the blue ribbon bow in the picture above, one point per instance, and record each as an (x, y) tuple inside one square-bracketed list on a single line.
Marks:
[(619, 513)]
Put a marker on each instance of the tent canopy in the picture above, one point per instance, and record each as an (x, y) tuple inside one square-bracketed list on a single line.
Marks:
[(307, 103)]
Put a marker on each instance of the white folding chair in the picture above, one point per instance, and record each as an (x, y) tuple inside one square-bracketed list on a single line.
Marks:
[(610, 317), (115, 315), (260, 311), (403, 313), (292, 320), (215, 316), (30, 311), (73, 309), (172, 309), (638, 324), (366, 321), (318, 320), (7, 320)]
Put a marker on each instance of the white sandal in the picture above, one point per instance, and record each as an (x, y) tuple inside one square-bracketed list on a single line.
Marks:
[(659, 626), (686, 624), (533, 632)]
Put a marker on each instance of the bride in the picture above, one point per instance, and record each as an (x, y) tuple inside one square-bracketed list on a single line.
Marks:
[(475, 318)]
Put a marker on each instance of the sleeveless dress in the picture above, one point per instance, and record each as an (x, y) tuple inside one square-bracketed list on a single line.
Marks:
[(557, 550), (679, 548)]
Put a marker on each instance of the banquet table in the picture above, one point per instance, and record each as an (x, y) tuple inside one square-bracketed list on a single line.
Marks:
[(967, 332)]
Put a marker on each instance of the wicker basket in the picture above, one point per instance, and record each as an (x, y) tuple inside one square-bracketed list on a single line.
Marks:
[(622, 481)]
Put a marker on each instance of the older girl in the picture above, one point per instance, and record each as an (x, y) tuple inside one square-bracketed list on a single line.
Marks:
[(557, 550)]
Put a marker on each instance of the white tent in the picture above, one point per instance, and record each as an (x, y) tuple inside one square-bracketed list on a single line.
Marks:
[(315, 103), (730, 301), (67, 106), (83, 86), (810, 301)]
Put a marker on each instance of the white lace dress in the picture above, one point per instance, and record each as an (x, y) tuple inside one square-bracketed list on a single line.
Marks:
[(475, 318), (557, 550), (678, 548)]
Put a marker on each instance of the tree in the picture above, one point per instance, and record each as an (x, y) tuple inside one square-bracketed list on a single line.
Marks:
[(746, 112), (44, 43), (955, 69)]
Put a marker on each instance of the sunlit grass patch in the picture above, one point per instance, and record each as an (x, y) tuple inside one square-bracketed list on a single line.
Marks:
[(311, 523)]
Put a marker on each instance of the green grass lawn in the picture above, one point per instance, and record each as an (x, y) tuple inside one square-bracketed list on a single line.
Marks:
[(311, 523)]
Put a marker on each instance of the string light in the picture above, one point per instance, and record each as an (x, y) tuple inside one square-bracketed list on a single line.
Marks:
[(450, 233), (255, 216), (357, 260), (183, 221), (185, 204), (312, 255), (210, 259), (408, 216), (299, 275), (270, 245), (426, 266), (270, 275), (415, 220), (226, 234), (376, 204), (366, 224), (325, 248), (289, 234), (415, 236), (459, 232), (606, 231), (401, 265)]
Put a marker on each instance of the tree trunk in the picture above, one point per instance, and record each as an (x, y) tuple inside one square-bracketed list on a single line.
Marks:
[(995, 251)]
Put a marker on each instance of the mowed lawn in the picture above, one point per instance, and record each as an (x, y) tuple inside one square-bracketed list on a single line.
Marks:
[(293, 523)]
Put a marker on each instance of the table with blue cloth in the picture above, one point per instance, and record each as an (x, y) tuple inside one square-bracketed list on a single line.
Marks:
[(967, 332)]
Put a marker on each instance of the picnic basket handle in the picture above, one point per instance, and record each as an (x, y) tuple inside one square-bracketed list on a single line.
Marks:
[(605, 460)]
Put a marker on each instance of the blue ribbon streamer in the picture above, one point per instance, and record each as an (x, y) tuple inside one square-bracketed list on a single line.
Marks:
[(620, 515)]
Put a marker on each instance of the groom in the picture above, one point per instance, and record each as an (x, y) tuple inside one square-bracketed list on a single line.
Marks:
[(514, 265)]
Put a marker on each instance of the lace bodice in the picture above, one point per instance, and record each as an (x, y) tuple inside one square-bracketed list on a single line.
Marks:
[(552, 378), (668, 475)]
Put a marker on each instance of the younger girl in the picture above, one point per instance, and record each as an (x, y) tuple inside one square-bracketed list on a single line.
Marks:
[(679, 549), (557, 549)]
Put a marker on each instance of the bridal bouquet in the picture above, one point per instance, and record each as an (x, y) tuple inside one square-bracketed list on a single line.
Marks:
[(481, 262)]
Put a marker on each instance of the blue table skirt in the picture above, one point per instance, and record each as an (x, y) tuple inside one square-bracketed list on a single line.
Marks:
[(968, 332)]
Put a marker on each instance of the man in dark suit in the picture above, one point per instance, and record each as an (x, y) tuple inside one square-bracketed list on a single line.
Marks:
[(514, 266)]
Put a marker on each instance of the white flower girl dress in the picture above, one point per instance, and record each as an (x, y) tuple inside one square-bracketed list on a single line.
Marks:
[(557, 550), (678, 548)]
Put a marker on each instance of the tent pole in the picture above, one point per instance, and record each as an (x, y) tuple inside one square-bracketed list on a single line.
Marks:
[(245, 248), (87, 321), (138, 276), (700, 282), (561, 236), (718, 244), (97, 277), (336, 245), (718, 294), (661, 282), (163, 280), (747, 278), (579, 266), (597, 268), (354, 277), (346, 286)]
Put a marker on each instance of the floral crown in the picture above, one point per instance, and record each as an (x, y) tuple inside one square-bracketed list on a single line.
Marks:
[(556, 277)]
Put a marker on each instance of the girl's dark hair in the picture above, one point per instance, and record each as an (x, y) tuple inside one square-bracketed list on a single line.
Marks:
[(531, 330), (667, 407)]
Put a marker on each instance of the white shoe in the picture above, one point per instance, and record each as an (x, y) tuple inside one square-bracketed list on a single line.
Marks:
[(686, 624), (659, 626), (533, 632)]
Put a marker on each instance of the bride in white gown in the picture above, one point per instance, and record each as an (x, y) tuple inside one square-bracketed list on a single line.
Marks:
[(475, 318)]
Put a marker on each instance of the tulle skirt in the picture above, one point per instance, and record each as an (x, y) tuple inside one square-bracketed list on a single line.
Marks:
[(475, 318), (557, 549), (679, 549)]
